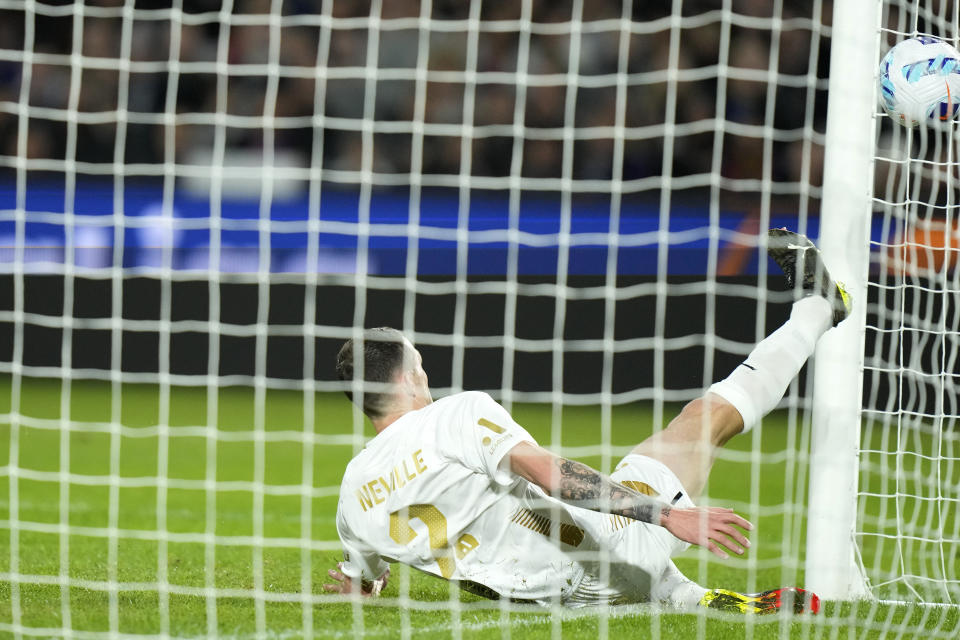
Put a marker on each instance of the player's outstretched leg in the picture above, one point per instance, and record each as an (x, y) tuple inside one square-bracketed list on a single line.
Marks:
[(789, 599), (688, 444), (758, 384)]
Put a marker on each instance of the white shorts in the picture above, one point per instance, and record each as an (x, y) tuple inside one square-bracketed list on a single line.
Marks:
[(656, 475), (639, 553)]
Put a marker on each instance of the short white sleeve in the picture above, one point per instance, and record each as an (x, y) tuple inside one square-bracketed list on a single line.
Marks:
[(482, 436), (359, 562)]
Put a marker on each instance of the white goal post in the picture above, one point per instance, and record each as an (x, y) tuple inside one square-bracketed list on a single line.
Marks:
[(831, 564)]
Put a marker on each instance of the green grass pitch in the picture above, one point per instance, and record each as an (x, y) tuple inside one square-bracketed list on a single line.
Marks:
[(89, 451)]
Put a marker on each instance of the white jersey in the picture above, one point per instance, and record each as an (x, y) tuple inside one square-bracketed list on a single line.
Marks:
[(428, 492)]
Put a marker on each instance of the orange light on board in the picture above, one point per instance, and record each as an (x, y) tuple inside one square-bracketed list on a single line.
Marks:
[(922, 249)]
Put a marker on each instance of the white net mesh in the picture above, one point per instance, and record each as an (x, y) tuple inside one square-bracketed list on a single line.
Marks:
[(559, 203), (908, 527)]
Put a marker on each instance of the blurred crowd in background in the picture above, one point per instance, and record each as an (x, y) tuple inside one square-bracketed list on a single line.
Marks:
[(796, 55)]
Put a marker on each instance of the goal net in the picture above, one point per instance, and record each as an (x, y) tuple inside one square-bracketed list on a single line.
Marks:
[(562, 204), (908, 524)]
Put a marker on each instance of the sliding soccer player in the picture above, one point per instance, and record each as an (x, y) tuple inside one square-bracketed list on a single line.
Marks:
[(458, 489)]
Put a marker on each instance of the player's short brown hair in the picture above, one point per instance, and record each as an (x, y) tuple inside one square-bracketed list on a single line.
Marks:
[(383, 352)]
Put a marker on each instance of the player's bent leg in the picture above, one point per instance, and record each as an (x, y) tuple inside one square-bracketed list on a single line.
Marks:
[(677, 590), (644, 568), (688, 445)]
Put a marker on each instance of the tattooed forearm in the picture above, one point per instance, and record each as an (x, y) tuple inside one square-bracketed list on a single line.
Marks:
[(584, 487), (578, 481)]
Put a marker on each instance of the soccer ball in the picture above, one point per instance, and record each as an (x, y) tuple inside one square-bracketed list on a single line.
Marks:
[(920, 82)]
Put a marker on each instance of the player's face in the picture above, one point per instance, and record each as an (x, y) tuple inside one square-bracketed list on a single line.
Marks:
[(416, 375)]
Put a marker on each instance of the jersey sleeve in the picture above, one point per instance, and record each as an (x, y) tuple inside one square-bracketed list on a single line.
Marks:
[(359, 561), (483, 435)]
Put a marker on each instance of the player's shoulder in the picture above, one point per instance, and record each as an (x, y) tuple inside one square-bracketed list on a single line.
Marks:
[(467, 400), (364, 459), (353, 467), (450, 413)]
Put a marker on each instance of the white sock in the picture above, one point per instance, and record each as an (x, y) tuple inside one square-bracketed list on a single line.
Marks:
[(677, 590), (757, 386)]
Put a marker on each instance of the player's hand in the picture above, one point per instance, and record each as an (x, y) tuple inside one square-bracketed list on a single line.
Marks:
[(346, 586), (715, 528)]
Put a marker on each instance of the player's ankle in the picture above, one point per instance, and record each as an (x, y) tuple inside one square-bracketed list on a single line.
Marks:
[(813, 310)]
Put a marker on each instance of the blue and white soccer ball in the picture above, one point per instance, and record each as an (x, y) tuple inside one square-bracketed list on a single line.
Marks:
[(920, 82)]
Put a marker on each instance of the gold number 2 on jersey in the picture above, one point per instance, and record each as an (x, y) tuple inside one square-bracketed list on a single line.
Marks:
[(436, 522)]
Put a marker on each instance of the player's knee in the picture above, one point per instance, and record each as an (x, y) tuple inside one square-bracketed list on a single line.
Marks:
[(711, 417), (694, 410), (691, 420)]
